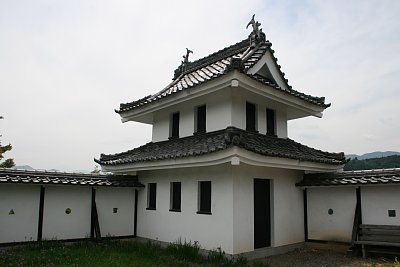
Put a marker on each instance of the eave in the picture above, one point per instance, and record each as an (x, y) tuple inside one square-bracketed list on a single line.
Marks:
[(233, 156), (296, 106)]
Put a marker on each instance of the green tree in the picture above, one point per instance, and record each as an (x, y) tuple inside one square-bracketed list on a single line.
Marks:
[(8, 163)]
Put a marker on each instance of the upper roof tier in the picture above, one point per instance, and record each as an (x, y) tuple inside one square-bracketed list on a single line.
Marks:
[(242, 56)]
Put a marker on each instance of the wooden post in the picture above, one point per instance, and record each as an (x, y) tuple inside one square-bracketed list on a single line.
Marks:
[(94, 222), (305, 215), (41, 209), (135, 214), (357, 217)]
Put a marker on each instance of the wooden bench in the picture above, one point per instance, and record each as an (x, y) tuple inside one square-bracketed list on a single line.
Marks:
[(377, 235)]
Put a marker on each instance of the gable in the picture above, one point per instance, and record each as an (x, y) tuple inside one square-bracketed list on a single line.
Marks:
[(267, 68)]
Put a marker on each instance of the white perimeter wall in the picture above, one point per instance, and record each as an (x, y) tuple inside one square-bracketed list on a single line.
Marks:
[(211, 231), (376, 201), (59, 225), (287, 223), (24, 201), (23, 224), (339, 225), (120, 223)]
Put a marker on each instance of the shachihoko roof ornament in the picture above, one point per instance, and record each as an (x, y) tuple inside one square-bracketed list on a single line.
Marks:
[(256, 35)]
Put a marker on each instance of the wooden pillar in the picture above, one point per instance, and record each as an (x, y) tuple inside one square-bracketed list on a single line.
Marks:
[(41, 209), (357, 216), (305, 215), (94, 222), (135, 214)]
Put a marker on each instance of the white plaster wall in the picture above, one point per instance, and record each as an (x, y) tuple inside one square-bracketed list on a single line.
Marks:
[(281, 123), (219, 108), (339, 225), (59, 225), (288, 208), (23, 225), (211, 231), (239, 99), (160, 131), (218, 115), (287, 225), (376, 201), (120, 223)]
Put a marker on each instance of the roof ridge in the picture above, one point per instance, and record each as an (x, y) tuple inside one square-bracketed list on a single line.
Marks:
[(213, 57)]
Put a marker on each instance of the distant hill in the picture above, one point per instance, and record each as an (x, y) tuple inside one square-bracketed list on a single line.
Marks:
[(24, 167), (371, 155), (374, 163)]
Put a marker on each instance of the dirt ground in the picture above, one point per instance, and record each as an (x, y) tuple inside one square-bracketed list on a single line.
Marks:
[(322, 255)]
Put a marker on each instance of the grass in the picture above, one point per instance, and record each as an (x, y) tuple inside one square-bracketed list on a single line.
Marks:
[(116, 253)]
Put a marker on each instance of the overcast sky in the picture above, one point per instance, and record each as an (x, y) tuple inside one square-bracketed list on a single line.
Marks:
[(66, 65)]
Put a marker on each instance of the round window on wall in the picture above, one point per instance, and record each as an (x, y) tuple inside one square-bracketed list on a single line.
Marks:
[(68, 211)]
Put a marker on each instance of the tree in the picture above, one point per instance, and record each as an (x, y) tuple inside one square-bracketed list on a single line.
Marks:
[(8, 163)]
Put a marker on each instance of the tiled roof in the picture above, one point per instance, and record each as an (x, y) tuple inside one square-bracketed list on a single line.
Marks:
[(217, 64), (351, 178), (207, 143), (11, 176)]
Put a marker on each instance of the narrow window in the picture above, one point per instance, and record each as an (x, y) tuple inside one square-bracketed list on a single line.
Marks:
[(174, 125), (175, 196), (200, 119), (151, 196), (250, 117), (271, 122), (204, 197)]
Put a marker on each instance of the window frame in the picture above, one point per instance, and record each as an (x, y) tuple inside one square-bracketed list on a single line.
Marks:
[(174, 122), (151, 196), (204, 197), (175, 196), (251, 126), (268, 113), (200, 111)]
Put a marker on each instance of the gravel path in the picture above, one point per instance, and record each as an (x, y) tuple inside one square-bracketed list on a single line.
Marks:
[(316, 255)]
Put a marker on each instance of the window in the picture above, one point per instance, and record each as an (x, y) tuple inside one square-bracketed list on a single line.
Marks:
[(151, 196), (251, 117), (204, 197), (175, 196), (174, 125), (271, 122), (200, 119)]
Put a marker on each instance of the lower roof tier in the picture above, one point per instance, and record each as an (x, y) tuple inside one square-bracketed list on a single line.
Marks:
[(212, 142), (12, 176), (352, 178)]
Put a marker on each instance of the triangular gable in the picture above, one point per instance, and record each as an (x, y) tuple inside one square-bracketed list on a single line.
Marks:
[(270, 70)]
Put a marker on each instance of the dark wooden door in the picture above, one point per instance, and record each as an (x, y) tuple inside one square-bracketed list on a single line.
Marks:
[(262, 213)]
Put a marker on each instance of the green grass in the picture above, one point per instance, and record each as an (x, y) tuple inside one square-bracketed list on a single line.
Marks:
[(115, 253)]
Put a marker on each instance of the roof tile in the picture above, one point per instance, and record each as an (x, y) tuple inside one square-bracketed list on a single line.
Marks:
[(201, 144), (215, 65), (12, 176), (351, 178)]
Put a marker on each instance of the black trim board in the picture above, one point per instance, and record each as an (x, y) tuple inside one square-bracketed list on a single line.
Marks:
[(305, 215), (41, 210), (135, 214)]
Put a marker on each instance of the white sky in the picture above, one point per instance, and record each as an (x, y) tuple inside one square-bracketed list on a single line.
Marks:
[(66, 65)]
